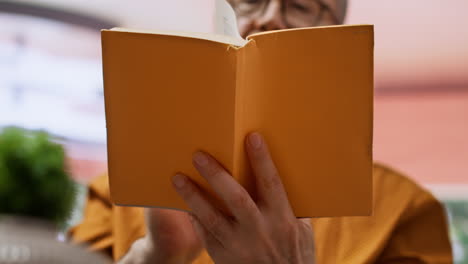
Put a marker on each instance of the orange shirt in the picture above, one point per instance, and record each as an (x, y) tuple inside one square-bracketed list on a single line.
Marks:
[(408, 226)]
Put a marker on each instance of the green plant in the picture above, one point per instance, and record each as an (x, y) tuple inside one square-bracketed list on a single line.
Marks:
[(33, 179), (459, 225)]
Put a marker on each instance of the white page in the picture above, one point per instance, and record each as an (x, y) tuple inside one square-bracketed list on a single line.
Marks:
[(225, 21)]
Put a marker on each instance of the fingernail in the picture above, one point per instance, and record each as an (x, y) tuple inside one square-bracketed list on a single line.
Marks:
[(255, 140), (200, 158), (179, 180)]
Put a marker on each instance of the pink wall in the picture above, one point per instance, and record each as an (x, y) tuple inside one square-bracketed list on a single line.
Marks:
[(421, 74), (425, 136), (417, 41)]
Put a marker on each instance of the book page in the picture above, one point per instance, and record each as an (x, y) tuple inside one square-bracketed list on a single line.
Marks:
[(239, 42), (225, 20)]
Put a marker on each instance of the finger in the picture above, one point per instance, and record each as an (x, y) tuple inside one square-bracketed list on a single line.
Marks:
[(270, 189), (204, 235), (236, 198), (210, 217)]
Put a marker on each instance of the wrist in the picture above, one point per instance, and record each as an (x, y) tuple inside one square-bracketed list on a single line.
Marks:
[(141, 252), (152, 255)]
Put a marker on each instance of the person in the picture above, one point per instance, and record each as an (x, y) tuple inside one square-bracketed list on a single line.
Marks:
[(408, 224)]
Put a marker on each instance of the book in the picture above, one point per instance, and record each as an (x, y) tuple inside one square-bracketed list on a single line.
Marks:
[(308, 91)]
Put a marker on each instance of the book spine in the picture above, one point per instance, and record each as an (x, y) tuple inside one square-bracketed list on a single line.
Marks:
[(241, 168)]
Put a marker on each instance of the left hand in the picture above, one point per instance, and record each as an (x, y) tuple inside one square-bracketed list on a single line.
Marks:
[(262, 231)]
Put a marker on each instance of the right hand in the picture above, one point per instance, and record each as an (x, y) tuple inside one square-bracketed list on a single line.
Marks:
[(171, 237)]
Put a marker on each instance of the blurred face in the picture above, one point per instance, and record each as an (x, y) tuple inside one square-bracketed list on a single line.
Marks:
[(262, 15)]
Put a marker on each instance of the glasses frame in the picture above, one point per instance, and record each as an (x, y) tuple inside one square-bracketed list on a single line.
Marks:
[(324, 8)]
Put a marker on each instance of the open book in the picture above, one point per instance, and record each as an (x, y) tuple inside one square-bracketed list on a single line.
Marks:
[(308, 91)]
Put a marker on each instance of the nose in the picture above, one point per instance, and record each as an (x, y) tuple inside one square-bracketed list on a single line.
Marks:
[(272, 18)]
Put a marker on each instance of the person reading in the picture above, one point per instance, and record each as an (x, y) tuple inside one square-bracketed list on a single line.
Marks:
[(408, 224)]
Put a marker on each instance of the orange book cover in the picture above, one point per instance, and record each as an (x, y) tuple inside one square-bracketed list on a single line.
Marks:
[(308, 91)]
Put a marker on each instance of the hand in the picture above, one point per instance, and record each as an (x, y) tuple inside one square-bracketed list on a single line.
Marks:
[(265, 231), (171, 237)]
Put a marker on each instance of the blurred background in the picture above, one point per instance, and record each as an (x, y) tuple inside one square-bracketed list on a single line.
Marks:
[(51, 79)]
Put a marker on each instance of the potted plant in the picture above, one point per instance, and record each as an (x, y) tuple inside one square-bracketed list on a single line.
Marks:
[(36, 198)]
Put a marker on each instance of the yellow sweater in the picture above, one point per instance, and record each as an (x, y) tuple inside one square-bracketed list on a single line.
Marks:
[(408, 226)]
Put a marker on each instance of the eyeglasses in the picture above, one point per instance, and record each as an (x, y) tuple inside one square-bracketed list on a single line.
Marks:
[(296, 13)]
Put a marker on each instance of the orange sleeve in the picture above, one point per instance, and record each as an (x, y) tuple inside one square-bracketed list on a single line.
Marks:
[(421, 236), (408, 225), (96, 226)]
